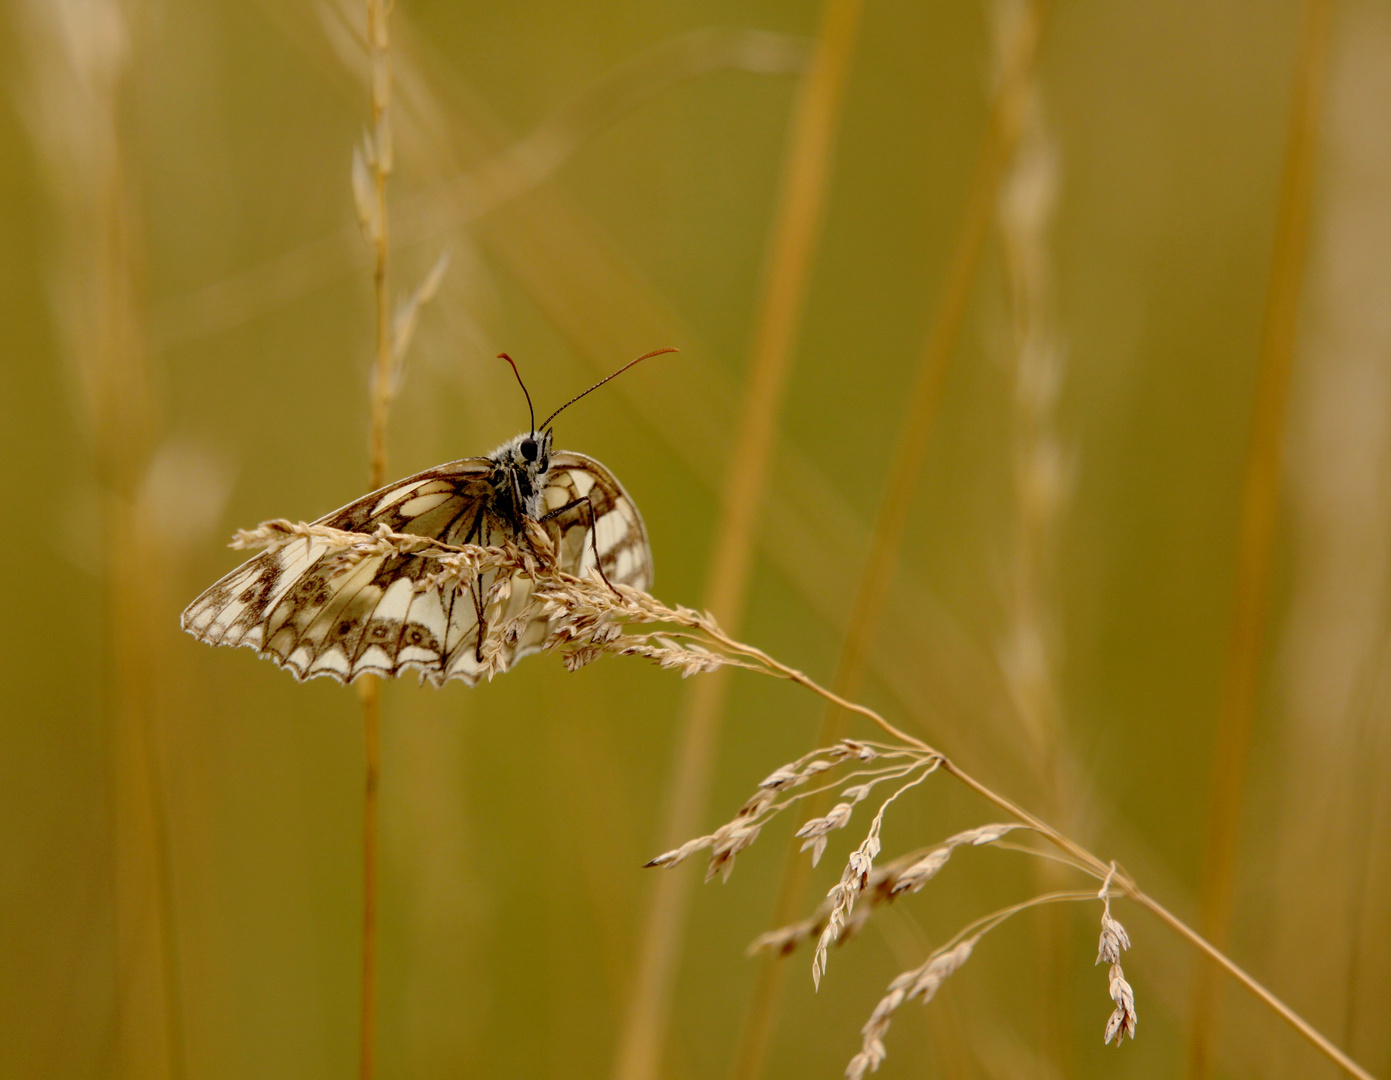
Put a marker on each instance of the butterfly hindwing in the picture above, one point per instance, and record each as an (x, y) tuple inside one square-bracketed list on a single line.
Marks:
[(620, 537)]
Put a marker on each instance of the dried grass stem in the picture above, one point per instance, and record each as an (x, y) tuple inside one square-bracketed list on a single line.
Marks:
[(372, 212)]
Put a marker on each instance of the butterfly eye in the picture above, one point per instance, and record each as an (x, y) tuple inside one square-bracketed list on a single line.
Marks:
[(528, 449)]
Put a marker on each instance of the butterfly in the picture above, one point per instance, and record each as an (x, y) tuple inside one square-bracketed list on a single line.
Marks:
[(313, 613)]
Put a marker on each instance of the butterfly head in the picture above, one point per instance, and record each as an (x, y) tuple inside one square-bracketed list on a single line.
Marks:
[(528, 453)]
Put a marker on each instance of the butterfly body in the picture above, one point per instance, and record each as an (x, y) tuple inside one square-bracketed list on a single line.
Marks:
[(312, 613)]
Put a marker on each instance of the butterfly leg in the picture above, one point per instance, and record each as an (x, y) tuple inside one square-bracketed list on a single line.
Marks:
[(475, 593), (593, 535)]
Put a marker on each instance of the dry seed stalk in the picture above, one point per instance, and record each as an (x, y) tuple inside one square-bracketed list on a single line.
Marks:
[(586, 619), (372, 164), (369, 176)]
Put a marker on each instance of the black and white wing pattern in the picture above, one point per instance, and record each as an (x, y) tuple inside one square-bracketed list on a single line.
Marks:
[(620, 537), (309, 612)]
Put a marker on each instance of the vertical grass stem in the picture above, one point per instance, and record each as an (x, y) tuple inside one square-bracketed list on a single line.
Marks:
[(996, 149), (379, 159)]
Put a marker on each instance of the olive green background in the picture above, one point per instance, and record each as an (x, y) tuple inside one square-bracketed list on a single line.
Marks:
[(516, 816)]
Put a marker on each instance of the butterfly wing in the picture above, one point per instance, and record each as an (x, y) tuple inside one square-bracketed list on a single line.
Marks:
[(619, 534), (313, 615)]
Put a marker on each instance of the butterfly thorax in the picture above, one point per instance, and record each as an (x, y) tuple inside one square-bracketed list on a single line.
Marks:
[(519, 469)]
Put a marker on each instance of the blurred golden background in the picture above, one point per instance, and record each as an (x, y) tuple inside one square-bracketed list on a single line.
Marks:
[(1068, 323)]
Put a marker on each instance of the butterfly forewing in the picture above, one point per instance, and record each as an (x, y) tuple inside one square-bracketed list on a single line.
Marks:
[(315, 613)]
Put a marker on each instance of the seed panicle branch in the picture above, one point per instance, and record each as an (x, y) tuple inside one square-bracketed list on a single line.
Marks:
[(1114, 940), (739, 833), (922, 982)]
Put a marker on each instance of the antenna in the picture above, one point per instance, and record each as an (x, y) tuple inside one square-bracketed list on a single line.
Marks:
[(504, 356), (606, 378)]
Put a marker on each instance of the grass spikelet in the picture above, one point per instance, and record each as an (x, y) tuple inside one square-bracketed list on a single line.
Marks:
[(926, 868), (736, 835), (843, 896), (855, 879), (1114, 940)]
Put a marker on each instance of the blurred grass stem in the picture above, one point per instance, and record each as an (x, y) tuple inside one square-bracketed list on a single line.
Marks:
[(1258, 521), (796, 231), (379, 160), (997, 147), (78, 103), (1029, 649), (378, 43)]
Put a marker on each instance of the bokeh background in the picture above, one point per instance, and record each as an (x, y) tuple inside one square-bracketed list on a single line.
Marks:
[(1064, 255)]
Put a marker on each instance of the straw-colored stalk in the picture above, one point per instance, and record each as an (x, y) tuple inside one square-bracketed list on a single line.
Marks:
[(1257, 524), (586, 618), (797, 228), (371, 166), (1322, 858)]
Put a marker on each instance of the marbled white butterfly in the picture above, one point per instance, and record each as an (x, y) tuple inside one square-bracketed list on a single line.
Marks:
[(303, 608)]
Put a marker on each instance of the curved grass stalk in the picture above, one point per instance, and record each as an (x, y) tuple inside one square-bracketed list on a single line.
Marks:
[(587, 617)]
